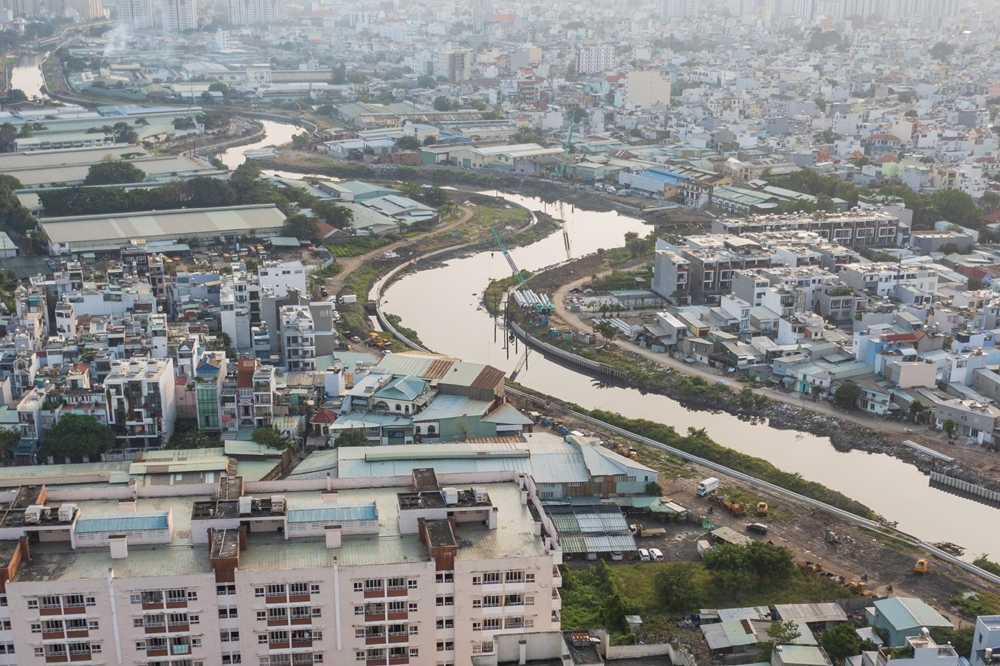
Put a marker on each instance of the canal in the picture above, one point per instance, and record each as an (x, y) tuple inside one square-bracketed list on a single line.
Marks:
[(443, 305)]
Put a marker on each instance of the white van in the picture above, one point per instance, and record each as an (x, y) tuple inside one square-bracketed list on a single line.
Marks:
[(656, 554), (644, 555)]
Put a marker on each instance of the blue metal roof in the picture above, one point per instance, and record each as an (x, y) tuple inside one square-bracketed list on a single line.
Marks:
[(333, 514), (907, 613), (130, 522)]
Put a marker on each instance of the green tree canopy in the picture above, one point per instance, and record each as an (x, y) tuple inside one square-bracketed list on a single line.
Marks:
[(192, 438), (675, 587), (408, 143), (8, 440), (352, 437), (442, 103), (841, 642), (334, 214), (942, 51), (301, 227), (847, 395), (74, 436), (271, 436), (112, 172), (16, 96)]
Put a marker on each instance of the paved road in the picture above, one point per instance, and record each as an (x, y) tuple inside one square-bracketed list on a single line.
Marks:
[(574, 320), (351, 264)]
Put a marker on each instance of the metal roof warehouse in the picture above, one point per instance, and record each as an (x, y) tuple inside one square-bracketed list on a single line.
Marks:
[(113, 232)]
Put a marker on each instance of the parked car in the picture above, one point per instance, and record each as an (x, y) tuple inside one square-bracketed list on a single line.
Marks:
[(616, 556), (757, 528), (644, 555), (656, 554)]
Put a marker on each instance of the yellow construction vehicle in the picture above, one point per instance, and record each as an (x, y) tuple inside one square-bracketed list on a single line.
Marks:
[(857, 586), (761, 508), (921, 566), (738, 509), (633, 455)]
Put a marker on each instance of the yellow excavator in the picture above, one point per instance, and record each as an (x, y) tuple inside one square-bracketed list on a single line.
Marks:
[(921, 566), (762, 509)]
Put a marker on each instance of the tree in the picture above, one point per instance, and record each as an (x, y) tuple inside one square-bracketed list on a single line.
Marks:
[(110, 172), (442, 103), (124, 133), (960, 639), (730, 572), (912, 113), (219, 87), (949, 427), (351, 437), (300, 141), (990, 202), (606, 330), (301, 227), (75, 436), (942, 51), (675, 587), (779, 633), (430, 140), (16, 96), (271, 436), (424, 81), (840, 642), (7, 135), (975, 284), (408, 143), (847, 395), (654, 489), (8, 440), (206, 98), (192, 438), (25, 132), (334, 214)]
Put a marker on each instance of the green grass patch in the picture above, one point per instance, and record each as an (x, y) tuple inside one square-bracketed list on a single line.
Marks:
[(360, 245), (698, 443), (360, 282), (973, 604), (354, 321), (775, 512), (406, 332), (984, 563), (621, 280), (545, 226)]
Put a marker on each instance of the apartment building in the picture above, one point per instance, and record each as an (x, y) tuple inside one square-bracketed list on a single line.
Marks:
[(596, 59), (883, 279), (408, 574), (141, 405), (135, 14), (298, 338), (253, 12), (180, 15), (867, 228)]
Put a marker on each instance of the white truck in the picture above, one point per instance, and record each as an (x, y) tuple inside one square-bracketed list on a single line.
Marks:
[(707, 487), (346, 299)]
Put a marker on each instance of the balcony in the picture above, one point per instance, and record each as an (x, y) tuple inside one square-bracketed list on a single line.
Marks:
[(375, 617), (301, 644), (275, 600), (279, 645), (301, 620), (398, 616), (397, 591), (377, 639), (556, 577), (56, 658), (299, 598), (556, 600), (374, 593), (277, 621)]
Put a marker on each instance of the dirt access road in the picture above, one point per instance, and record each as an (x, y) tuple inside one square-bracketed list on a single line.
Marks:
[(971, 456), (351, 264)]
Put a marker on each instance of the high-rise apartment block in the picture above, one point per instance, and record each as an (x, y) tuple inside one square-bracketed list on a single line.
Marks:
[(135, 14), (250, 12), (179, 15), (596, 59), (413, 575)]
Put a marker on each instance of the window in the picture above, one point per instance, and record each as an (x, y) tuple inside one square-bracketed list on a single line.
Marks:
[(36, 628), (32, 604), (413, 629), (193, 619), (529, 577), (51, 602), (491, 601), (445, 646), (491, 577), (317, 612), (359, 632), (445, 577), (360, 656), (228, 612), (226, 588), (314, 588), (89, 601), (261, 615), (397, 583), (477, 580), (514, 577), (192, 595), (411, 584), (477, 603), (477, 625), (39, 652), (446, 600), (174, 596), (359, 586), (258, 592), (491, 624), (412, 607), (298, 588), (262, 639), (276, 590), (140, 646), (229, 636), (414, 652), (529, 600), (137, 623), (445, 623), (231, 658), (373, 584)]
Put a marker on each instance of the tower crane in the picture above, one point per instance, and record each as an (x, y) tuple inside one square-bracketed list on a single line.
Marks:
[(561, 169), (540, 306)]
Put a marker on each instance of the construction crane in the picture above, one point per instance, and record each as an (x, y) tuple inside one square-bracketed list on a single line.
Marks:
[(561, 169), (540, 306)]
